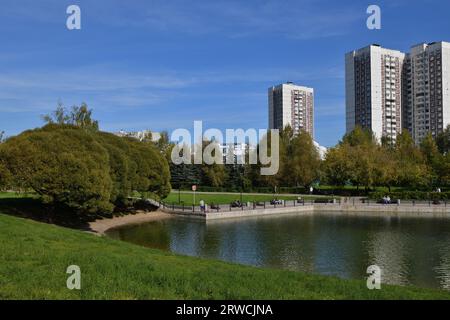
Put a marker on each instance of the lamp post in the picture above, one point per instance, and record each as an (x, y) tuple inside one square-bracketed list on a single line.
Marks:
[(194, 188)]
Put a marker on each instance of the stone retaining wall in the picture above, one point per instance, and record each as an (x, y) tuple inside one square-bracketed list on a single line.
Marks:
[(349, 209)]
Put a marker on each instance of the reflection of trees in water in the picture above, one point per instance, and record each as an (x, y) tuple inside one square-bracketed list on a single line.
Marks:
[(340, 243), (152, 234), (235, 242), (280, 242), (186, 236), (407, 250), (296, 250), (443, 267), (388, 250), (286, 242)]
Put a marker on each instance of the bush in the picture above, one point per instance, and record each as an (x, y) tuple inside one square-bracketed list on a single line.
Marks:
[(411, 195), (85, 170), (5, 176), (65, 166)]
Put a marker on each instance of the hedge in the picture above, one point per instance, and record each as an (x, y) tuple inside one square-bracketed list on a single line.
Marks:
[(411, 195)]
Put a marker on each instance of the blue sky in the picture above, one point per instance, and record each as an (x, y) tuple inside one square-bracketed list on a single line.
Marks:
[(160, 65)]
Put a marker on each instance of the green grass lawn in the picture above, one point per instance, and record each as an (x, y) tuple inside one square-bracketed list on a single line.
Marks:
[(34, 258), (223, 198), (14, 195)]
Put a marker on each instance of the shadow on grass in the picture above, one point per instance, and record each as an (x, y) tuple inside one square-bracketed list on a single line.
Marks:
[(30, 207), (33, 208)]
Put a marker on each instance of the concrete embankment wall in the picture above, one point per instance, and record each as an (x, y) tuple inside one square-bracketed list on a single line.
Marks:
[(303, 210), (212, 215), (347, 209), (387, 210)]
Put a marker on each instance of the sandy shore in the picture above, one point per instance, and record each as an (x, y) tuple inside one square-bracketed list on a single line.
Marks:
[(102, 225)]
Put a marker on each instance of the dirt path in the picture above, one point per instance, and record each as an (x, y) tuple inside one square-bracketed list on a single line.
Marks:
[(102, 225)]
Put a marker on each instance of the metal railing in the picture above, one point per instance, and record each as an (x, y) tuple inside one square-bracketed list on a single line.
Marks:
[(256, 205)]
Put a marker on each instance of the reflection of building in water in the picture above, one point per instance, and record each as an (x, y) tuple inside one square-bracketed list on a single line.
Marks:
[(443, 269), (390, 250)]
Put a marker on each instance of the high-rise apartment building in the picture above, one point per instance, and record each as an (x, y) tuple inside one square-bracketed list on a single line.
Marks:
[(374, 90), (427, 90), (293, 105), (388, 91)]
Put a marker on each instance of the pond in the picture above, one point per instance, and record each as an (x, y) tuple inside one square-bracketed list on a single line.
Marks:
[(409, 251)]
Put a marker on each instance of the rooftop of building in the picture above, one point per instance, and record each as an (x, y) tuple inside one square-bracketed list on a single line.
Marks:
[(293, 85)]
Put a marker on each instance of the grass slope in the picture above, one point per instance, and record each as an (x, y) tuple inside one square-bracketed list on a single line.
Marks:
[(34, 258), (223, 198)]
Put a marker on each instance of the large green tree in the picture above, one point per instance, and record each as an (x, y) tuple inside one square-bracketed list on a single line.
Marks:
[(5, 175), (438, 163), (443, 140), (213, 174), (353, 159), (64, 165), (302, 165), (412, 168), (83, 169)]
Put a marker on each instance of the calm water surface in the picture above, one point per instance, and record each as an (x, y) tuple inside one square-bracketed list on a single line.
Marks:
[(409, 250)]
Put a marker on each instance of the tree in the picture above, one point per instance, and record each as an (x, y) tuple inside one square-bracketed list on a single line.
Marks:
[(438, 163), (385, 171), (214, 174), (82, 117), (303, 163), (84, 170), (163, 143), (5, 175), (77, 116), (62, 164), (337, 166), (353, 159), (443, 141), (443, 171), (412, 169)]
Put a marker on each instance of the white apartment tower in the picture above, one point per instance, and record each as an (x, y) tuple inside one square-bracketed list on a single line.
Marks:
[(374, 90), (388, 91), (427, 90), (293, 105)]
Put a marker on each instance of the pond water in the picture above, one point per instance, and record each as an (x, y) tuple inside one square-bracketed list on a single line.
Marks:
[(410, 251)]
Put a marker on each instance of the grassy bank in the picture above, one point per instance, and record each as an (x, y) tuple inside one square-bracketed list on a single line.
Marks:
[(15, 195), (225, 198), (34, 258)]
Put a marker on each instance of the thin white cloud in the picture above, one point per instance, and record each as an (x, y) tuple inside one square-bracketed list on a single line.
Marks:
[(298, 19)]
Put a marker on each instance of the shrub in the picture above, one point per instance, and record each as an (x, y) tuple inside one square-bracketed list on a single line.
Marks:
[(411, 195), (85, 170), (65, 166)]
